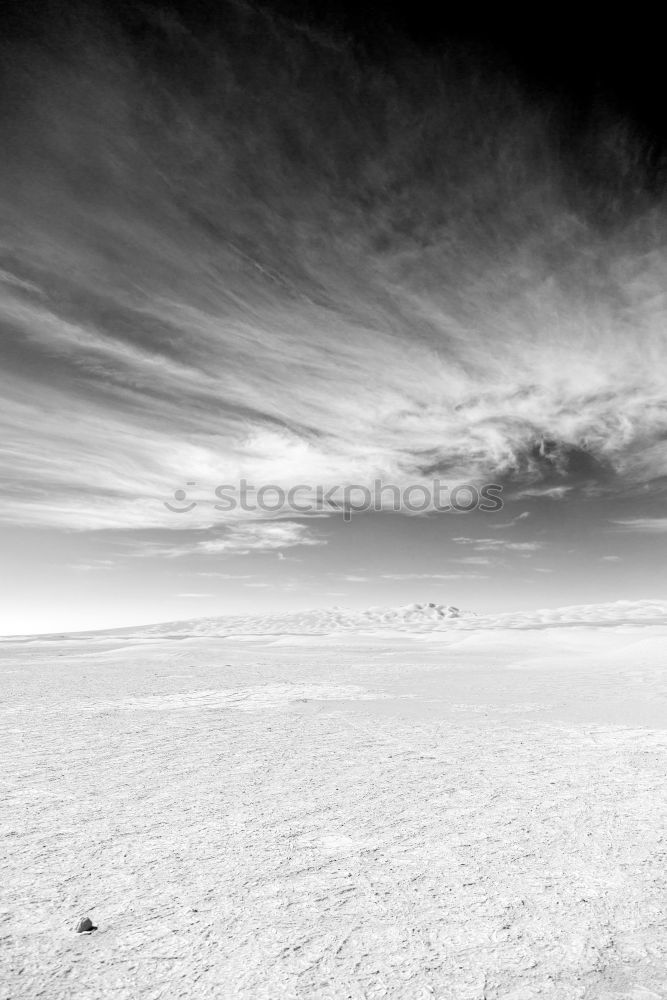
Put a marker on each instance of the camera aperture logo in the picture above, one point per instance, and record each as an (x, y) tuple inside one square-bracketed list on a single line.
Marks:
[(351, 498)]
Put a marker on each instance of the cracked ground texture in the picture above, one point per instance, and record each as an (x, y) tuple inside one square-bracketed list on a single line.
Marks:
[(474, 818)]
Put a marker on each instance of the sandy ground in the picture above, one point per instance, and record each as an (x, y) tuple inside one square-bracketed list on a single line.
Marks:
[(469, 816)]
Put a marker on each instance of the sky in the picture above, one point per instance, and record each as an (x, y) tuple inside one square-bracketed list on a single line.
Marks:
[(265, 250)]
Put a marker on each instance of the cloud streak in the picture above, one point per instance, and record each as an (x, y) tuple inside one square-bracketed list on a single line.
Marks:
[(496, 545), (643, 525), (235, 539)]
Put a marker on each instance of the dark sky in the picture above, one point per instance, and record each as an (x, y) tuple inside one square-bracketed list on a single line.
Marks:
[(583, 60), (583, 57)]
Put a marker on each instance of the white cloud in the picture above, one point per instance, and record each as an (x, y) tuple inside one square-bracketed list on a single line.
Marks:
[(91, 565), (236, 539), (221, 576), (515, 520), (649, 525), (474, 561), (262, 537), (432, 576), (498, 545), (550, 492)]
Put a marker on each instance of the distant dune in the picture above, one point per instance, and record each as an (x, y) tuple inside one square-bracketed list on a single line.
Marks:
[(416, 619)]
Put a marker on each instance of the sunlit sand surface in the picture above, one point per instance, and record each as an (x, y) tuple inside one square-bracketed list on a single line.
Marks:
[(478, 814)]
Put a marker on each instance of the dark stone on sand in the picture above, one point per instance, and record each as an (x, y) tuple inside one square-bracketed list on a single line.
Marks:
[(84, 925)]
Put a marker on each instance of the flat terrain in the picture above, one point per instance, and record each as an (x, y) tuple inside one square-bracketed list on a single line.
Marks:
[(469, 815)]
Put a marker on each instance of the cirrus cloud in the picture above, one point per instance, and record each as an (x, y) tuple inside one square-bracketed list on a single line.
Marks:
[(224, 273)]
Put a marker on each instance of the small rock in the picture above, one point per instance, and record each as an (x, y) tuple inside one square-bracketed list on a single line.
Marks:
[(84, 925)]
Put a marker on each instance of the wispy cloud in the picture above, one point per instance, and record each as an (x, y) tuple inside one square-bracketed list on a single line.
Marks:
[(432, 576), (548, 492), (498, 545), (474, 561), (221, 576), (92, 565), (515, 520), (245, 538), (237, 539), (242, 280), (649, 525)]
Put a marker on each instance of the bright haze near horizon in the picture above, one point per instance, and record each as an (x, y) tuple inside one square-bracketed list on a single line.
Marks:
[(266, 252)]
